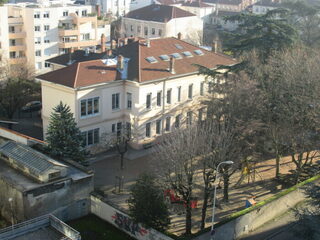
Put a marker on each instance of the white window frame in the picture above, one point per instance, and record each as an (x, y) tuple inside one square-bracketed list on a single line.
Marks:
[(86, 102), (115, 101)]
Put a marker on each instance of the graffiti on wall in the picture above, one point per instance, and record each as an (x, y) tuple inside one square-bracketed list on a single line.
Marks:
[(125, 223)]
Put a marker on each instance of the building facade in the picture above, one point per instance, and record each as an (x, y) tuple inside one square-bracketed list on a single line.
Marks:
[(150, 87), (161, 21), (114, 7), (37, 32), (262, 7)]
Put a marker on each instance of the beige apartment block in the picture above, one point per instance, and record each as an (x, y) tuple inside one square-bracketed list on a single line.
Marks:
[(37, 32), (148, 86)]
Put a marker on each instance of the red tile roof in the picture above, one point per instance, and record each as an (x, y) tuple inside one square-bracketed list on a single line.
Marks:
[(139, 69), (158, 13)]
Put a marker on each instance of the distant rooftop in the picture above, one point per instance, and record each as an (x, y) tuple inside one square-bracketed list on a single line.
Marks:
[(76, 56), (158, 13)]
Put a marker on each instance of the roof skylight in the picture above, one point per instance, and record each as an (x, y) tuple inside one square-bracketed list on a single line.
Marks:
[(151, 59), (164, 57), (198, 52), (176, 55), (187, 54), (178, 46)]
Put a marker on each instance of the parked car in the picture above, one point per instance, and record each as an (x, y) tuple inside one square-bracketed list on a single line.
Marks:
[(32, 106)]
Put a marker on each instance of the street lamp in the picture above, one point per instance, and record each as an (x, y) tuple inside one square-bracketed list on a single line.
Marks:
[(214, 196), (10, 201)]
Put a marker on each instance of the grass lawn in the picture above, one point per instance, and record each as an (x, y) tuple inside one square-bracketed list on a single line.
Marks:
[(92, 227)]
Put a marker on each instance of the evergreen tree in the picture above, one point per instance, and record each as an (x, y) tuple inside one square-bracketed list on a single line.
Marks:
[(264, 33), (64, 137), (147, 205)]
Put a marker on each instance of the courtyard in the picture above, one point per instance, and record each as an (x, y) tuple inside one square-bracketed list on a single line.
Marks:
[(109, 179)]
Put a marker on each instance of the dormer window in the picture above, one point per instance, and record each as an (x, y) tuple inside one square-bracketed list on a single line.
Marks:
[(187, 54), (178, 46), (176, 55), (164, 57), (151, 59), (198, 52)]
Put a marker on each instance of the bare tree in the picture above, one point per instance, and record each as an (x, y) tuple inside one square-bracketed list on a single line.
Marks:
[(178, 158)]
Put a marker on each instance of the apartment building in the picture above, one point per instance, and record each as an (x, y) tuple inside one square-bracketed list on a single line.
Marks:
[(160, 21), (37, 32), (148, 86), (4, 33), (114, 7), (231, 5)]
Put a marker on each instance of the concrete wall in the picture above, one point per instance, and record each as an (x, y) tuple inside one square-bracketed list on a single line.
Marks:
[(123, 222), (14, 209), (66, 199), (251, 221)]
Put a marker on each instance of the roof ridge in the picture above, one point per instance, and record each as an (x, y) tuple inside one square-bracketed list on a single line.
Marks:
[(76, 77)]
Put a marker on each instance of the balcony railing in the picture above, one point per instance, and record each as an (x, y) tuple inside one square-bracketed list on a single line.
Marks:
[(13, 35), (78, 44), (17, 47), (15, 20)]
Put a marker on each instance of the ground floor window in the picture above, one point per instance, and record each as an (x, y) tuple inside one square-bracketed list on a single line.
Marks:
[(91, 137)]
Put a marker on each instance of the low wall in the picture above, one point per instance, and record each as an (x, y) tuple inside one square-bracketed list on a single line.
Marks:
[(123, 222), (259, 215)]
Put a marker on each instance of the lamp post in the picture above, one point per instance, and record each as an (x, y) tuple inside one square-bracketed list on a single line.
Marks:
[(214, 196), (10, 201)]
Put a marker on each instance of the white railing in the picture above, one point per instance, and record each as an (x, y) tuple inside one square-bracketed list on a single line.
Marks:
[(37, 223)]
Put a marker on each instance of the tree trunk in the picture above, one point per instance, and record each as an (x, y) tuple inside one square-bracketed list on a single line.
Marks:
[(121, 160), (299, 168), (188, 217), (226, 187), (204, 206), (277, 164)]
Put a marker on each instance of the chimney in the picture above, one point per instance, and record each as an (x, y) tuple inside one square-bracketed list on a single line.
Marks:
[(109, 52), (98, 10), (179, 35), (103, 43), (113, 44), (70, 56), (171, 67), (120, 63), (148, 43), (215, 46)]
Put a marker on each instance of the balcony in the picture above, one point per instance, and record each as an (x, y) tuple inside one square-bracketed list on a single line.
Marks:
[(68, 32), (17, 60), (16, 48), (14, 35), (15, 20), (78, 44), (78, 20)]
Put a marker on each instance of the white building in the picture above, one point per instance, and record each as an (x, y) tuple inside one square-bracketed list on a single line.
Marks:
[(41, 31), (4, 33), (263, 6), (160, 21), (200, 9), (217, 19), (115, 7), (152, 88)]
